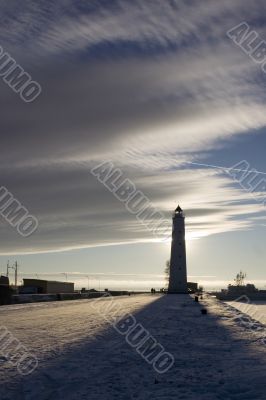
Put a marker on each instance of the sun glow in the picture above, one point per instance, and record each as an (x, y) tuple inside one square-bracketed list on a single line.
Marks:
[(194, 235)]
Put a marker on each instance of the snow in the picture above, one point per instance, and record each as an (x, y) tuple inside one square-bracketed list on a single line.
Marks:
[(82, 356), (255, 309)]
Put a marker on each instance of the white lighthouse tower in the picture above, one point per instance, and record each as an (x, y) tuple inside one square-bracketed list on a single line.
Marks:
[(178, 265)]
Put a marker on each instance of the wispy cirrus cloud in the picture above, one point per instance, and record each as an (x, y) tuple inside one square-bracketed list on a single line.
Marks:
[(149, 85)]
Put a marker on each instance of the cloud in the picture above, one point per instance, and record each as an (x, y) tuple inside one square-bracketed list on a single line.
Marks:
[(150, 86), (76, 211)]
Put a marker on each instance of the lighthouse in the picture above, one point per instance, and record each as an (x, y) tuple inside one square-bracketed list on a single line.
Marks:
[(178, 265)]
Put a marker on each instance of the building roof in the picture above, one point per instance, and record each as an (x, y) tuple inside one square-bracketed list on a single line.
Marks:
[(178, 209), (36, 281)]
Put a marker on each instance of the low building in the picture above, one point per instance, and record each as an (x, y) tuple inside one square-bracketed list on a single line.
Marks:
[(5, 290), (241, 293), (241, 289), (192, 287), (47, 287), (4, 280)]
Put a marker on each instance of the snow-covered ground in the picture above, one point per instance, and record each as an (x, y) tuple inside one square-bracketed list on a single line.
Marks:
[(81, 355), (255, 309)]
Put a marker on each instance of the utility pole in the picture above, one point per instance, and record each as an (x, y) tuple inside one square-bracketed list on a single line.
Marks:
[(64, 273), (16, 274), (15, 268)]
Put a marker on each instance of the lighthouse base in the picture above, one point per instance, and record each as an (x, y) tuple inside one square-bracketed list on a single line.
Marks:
[(173, 288)]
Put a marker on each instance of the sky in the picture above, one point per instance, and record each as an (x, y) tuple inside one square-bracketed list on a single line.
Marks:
[(158, 89)]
